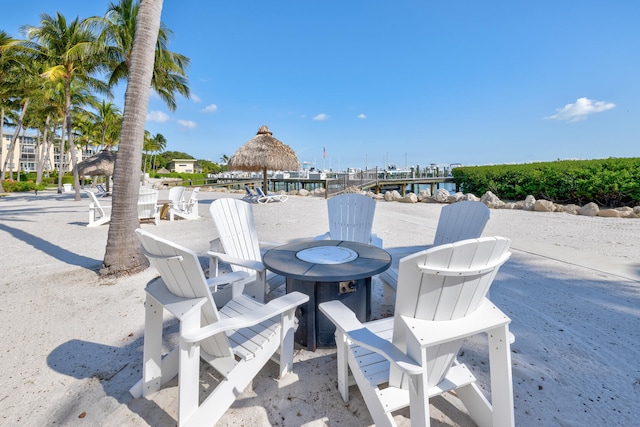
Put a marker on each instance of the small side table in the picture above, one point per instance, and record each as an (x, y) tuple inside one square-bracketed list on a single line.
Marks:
[(327, 270)]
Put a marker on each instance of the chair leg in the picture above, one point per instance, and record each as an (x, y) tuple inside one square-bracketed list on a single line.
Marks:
[(501, 376), (286, 342), (342, 347), (189, 372)]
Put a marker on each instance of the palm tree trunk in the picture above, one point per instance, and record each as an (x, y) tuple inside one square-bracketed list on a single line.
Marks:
[(123, 252)]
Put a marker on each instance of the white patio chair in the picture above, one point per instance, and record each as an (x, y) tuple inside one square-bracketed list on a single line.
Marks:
[(148, 205), (237, 341), (266, 198), (98, 214), (458, 221), (237, 244), (351, 218), (407, 359), (185, 209)]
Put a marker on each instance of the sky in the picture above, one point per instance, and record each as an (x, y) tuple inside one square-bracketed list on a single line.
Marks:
[(409, 82)]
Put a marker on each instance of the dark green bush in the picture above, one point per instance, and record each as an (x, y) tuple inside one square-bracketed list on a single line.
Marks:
[(607, 182)]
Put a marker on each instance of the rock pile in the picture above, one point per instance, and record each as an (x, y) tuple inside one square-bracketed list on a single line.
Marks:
[(493, 202)]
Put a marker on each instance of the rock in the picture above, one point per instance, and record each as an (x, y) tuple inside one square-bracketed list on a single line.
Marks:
[(491, 200), (610, 213), (626, 212), (510, 205), (636, 210), (409, 198), (303, 192), (543, 206), (320, 192), (590, 209), (472, 197), (442, 195), (392, 196), (423, 195), (570, 209), (529, 203), (456, 197)]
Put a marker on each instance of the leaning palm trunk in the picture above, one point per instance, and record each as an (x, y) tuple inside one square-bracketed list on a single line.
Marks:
[(12, 145), (123, 253)]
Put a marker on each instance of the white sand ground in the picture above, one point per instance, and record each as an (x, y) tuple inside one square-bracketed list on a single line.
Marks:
[(71, 343)]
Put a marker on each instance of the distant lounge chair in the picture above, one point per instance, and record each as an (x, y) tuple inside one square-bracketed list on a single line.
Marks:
[(98, 214), (266, 198), (100, 190), (250, 196)]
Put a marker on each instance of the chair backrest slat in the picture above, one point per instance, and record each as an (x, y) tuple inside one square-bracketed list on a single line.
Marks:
[(235, 223), (351, 217), (176, 194), (461, 221)]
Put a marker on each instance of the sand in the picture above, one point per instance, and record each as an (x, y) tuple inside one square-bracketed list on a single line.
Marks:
[(71, 342)]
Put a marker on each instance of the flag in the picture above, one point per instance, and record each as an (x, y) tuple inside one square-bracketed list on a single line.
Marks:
[(324, 152)]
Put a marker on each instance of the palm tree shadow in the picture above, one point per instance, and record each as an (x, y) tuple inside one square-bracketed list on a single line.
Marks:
[(52, 250)]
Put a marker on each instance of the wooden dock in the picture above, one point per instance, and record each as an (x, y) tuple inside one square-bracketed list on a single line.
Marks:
[(336, 185)]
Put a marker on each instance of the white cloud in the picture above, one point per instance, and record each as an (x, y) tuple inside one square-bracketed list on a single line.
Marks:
[(157, 116), (211, 108), (362, 116), (187, 124), (194, 97), (581, 109), (321, 116)]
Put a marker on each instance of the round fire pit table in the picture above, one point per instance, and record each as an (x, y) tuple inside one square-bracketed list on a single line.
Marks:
[(327, 270)]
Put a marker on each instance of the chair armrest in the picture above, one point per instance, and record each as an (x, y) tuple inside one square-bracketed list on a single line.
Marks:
[(273, 308), (254, 265), (346, 321)]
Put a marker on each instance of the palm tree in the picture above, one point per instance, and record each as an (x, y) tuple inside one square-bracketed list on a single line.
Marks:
[(147, 146), (8, 72), (71, 52), (159, 144), (118, 28), (108, 118), (123, 253)]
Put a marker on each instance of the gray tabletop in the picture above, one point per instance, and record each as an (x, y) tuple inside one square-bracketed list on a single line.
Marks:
[(283, 260)]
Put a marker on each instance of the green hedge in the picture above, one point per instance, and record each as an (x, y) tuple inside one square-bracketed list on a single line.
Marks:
[(21, 186), (607, 182)]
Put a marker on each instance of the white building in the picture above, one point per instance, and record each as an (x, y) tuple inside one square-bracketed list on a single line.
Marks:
[(24, 154)]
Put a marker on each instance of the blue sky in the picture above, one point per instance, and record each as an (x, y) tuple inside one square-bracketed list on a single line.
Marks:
[(404, 82)]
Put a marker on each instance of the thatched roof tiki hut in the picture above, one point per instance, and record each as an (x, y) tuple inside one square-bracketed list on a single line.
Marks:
[(264, 152), (99, 165)]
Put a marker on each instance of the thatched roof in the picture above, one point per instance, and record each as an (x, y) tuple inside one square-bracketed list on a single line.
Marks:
[(99, 165), (264, 152)]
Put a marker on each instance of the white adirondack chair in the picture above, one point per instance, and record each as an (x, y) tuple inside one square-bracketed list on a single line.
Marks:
[(237, 341), (458, 221), (176, 195), (237, 244), (405, 360), (185, 209), (148, 205), (351, 218), (98, 214)]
